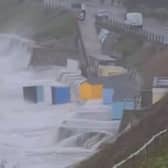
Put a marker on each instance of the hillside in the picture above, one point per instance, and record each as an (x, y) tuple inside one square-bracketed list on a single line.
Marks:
[(32, 20), (54, 29), (147, 58), (158, 157), (155, 67), (154, 121)]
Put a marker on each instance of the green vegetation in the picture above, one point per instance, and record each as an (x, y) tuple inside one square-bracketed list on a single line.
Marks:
[(32, 19), (128, 46), (156, 162), (158, 157), (61, 27)]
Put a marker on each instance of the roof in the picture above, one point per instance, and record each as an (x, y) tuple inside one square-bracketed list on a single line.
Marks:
[(124, 86), (102, 12), (30, 83), (103, 57), (134, 14)]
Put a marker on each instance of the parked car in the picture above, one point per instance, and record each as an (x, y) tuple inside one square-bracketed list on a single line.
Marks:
[(82, 15), (134, 19)]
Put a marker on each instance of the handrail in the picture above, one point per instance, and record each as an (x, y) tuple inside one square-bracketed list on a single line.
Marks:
[(141, 149)]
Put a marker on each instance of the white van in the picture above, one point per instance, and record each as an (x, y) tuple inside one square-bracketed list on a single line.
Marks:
[(134, 19)]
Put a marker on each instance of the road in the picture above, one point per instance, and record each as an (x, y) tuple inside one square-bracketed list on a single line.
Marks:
[(89, 34)]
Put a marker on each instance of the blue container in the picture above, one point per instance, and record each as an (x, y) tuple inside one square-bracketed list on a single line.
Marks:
[(60, 95), (117, 110), (39, 94), (119, 107), (129, 105), (108, 95)]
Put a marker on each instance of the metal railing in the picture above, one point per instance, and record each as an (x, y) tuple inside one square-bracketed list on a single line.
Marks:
[(144, 148), (146, 35)]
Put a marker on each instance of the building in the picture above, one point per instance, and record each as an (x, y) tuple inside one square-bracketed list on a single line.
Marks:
[(89, 91), (124, 93), (160, 88), (124, 86)]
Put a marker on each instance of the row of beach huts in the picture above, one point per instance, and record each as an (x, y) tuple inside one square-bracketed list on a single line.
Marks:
[(69, 86)]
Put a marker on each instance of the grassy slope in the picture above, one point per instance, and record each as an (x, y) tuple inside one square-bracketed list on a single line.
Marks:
[(128, 46), (55, 28), (33, 20), (157, 157), (154, 121), (157, 160), (134, 50)]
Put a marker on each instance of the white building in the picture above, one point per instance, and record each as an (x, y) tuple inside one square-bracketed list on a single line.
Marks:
[(160, 88)]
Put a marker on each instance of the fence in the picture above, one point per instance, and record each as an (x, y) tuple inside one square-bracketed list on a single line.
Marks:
[(56, 3), (118, 26), (62, 3), (142, 153)]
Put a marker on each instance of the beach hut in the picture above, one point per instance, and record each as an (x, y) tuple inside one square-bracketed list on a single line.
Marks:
[(119, 107), (60, 95), (34, 94), (90, 91), (97, 91), (108, 95)]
